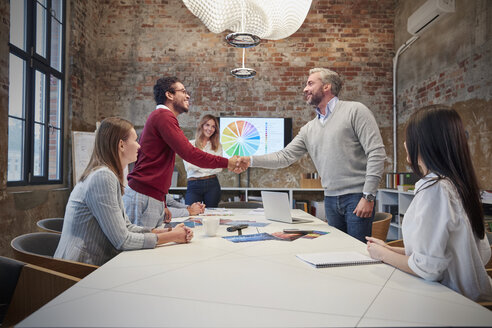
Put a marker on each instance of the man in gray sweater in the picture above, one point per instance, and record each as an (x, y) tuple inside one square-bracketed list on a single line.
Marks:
[(346, 147)]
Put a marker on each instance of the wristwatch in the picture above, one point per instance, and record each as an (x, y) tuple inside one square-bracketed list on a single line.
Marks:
[(369, 197)]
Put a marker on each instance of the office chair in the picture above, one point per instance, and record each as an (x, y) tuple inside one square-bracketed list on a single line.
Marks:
[(30, 287), (38, 248), (51, 225), (10, 270), (381, 224)]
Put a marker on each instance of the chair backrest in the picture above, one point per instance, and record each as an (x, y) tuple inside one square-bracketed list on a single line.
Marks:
[(241, 204), (396, 243), (51, 225), (10, 270), (35, 287), (39, 247), (381, 224)]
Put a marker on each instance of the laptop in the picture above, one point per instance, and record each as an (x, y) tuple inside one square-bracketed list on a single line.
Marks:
[(277, 207)]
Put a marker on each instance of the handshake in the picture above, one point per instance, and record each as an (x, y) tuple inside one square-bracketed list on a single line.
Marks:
[(238, 164)]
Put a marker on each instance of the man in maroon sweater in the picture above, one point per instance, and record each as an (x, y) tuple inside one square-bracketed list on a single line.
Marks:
[(161, 139)]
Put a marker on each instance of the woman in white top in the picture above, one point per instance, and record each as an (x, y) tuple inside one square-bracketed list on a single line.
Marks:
[(443, 229), (96, 227), (203, 185)]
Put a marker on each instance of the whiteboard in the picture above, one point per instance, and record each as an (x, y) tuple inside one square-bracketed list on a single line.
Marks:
[(82, 146)]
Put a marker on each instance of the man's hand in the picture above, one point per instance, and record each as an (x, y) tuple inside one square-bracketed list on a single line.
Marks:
[(364, 208), (167, 215), (232, 165), (196, 208), (243, 162)]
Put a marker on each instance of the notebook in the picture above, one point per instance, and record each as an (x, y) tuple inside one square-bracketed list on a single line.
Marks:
[(335, 259), (277, 207)]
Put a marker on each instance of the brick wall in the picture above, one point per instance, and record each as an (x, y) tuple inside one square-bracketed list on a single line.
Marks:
[(451, 64), (139, 42)]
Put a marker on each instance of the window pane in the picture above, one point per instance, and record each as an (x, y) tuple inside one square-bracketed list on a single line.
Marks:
[(56, 44), (41, 30), (38, 149), (54, 154), (17, 77), (15, 170), (57, 9), (17, 22), (39, 94), (55, 102)]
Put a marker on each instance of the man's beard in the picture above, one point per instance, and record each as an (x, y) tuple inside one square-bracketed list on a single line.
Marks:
[(316, 98)]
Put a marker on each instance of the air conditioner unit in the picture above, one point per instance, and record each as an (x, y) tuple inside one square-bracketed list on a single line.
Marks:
[(430, 12)]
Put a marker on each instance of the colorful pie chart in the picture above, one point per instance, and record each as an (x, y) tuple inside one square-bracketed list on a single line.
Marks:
[(240, 138)]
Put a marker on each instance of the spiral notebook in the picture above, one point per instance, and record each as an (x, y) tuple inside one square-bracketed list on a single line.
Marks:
[(335, 259)]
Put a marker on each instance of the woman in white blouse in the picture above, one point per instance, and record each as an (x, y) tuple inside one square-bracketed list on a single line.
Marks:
[(443, 229), (203, 184), (96, 227)]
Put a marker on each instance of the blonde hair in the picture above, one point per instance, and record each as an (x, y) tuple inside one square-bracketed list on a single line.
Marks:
[(105, 152), (214, 138)]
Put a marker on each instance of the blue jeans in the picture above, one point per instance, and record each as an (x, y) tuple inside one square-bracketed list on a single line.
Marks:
[(339, 214), (206, 191)]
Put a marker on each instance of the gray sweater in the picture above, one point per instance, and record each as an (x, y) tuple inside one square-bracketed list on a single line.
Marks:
[(347, 150), (95, 227)]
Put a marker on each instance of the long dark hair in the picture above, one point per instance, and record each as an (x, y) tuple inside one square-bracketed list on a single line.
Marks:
[(436, 134), (214, 138), (105, 152)]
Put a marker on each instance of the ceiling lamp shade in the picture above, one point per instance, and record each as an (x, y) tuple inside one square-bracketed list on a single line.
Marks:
[(267, 19)]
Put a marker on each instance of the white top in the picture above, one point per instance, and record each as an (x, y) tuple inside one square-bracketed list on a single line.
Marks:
[(193, 171), (440, 241)]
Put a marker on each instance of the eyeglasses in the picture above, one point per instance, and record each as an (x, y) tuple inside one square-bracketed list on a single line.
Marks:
[(184, 91)]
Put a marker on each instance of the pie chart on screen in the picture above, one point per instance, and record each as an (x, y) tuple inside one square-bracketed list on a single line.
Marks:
[(240, 138)]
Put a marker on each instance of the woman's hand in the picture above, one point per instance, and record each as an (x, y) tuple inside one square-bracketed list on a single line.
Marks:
[(376, 250), (182, 234), (375, 241), (196, 208)]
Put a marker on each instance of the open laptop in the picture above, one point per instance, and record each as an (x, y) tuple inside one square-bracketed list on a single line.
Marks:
[(277, 207)]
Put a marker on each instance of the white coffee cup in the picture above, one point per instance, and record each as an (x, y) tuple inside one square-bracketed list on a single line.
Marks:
[(210, 226)]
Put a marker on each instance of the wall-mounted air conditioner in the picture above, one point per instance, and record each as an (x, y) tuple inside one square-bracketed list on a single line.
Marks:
[(430, 12)]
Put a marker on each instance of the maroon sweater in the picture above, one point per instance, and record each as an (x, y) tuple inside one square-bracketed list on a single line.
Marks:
[(160, 140)]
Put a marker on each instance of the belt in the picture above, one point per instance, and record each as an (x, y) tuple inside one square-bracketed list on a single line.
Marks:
[(203, 178)]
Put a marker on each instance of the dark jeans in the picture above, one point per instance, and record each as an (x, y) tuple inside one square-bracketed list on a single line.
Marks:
[(206, 191), (339, 214)]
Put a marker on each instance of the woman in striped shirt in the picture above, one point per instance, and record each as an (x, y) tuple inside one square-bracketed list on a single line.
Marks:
[(96, 227)]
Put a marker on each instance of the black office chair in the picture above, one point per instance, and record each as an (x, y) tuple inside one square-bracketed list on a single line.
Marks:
[(241, 204), (38, 248), (51, 225), (10, 270)]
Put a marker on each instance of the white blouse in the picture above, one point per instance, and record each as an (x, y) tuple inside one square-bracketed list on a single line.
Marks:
[(440, 241), (193, 171)]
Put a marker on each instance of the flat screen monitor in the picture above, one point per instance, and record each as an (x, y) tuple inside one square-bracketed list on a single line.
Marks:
[(246, 136)]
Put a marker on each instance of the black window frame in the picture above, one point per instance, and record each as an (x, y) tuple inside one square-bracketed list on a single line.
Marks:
[(36, 63)]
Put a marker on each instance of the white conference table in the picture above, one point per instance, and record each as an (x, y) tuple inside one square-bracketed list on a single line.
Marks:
[(213, 282)]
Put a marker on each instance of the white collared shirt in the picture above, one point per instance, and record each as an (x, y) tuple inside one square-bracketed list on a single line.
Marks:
[(330, 106), (440, 241)]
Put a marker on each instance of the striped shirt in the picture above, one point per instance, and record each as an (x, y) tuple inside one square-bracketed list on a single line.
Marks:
[(96, 227)]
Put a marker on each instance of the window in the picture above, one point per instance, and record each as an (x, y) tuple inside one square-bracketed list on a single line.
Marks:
[(36, 79)]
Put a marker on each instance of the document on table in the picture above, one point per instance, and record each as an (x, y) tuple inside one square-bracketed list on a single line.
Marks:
[(334, 259)]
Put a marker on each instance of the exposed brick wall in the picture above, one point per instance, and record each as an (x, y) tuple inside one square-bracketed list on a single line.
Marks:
[(83, 64), (451, 64), (139, 42)]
